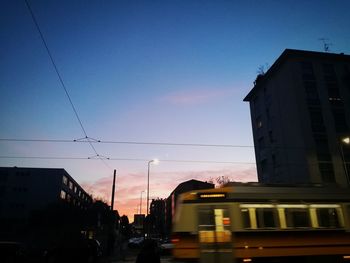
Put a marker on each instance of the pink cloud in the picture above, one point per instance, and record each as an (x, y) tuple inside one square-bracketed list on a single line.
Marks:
[(129, 186), (196, 96)]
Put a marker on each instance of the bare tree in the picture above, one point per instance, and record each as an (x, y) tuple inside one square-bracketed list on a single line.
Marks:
[(211, 180), (223, 180)]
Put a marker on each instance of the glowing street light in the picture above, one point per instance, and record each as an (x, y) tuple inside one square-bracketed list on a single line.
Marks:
[(346, 140), (154, 161)]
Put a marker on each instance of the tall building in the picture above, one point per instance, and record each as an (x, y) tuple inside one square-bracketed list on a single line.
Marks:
[(300, 113), (23, 190)]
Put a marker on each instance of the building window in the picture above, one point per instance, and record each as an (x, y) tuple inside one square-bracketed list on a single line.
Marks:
[(316, 119), (271, 137), (75, 189), (68, 197), (333, 91), (70, 185), (263, 164), (3, 176), (311, 93), (307, 70), (64, 180), (273, 157), (63, 195), (259, 123), (327, 172), (268, 116), (256, 103), (340, 120), (329, 72), (261, 143)]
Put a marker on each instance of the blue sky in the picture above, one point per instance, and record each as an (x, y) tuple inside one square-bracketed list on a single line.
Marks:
[(149, 71)]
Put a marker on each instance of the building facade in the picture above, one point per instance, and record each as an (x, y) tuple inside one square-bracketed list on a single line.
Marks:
[(23, 190), (300, 113), (157, 217)]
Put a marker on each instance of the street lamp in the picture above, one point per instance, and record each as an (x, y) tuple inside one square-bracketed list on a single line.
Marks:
[(345, 140), (141, 202), (155, 161)]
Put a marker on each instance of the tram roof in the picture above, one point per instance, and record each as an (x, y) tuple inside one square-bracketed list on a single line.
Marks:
[(258, 192)]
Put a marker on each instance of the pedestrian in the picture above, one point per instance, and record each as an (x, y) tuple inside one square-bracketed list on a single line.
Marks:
[(149, 252)]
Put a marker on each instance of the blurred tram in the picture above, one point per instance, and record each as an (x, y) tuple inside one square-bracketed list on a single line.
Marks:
[(254, 223)]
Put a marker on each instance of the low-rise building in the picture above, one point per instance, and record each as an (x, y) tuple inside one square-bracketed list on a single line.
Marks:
[(24, 190)]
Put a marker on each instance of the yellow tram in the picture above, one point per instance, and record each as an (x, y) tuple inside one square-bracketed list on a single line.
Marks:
[(254, 223)]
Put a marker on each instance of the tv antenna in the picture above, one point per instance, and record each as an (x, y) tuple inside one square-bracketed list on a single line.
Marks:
[(326, 44)]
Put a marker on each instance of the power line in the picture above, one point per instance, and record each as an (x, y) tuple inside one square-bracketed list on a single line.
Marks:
[(55, 67), (144, 160), (126, 142), (121, 159), (61, 79), (91, 140)]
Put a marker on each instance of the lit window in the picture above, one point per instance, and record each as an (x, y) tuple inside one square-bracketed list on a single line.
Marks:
[(64, 180), (259, 123), (63, 195)]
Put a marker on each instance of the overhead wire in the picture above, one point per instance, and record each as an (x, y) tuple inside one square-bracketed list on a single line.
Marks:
[(146, 143), (127, 142), (122, 159), (143, 160), (61, 79)]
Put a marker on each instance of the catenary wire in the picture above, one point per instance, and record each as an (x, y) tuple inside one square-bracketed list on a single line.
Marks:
[(61, 79), (140, 160), (120, 159), (145, 143), (126, 142)]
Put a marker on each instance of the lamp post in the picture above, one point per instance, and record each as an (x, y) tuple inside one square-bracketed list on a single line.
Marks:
[(345, 140), (155, 161), (141, 202)]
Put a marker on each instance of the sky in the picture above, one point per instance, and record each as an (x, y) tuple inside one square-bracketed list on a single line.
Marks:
[(147, 72)]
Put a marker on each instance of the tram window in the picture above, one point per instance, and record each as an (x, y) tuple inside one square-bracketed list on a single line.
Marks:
[(245, 218), (206, 218), (297, 217), (266, 218), (328, 217)]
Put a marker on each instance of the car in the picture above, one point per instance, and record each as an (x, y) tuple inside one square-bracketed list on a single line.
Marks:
[(136, 242), (166, 246), (11, 252)]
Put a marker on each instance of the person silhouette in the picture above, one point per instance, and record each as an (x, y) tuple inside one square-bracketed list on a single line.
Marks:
[(149, 252)]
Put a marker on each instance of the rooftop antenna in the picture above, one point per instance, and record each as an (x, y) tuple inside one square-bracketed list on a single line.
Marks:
[(326, 44)]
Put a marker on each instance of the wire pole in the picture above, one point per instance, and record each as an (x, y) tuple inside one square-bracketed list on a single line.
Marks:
[(113, 189)]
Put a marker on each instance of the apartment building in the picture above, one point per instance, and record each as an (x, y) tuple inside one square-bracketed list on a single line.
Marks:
[(300, 113), (23, 190)]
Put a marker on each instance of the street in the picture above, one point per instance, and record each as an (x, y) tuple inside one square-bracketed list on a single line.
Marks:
[(131, 255)]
